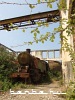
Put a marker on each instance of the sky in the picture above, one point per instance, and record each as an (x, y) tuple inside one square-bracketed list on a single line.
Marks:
[(14, 38)]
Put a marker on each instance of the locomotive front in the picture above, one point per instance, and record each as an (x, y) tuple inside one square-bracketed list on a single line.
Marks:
[(31, 67), (28, 65), (25, 59)]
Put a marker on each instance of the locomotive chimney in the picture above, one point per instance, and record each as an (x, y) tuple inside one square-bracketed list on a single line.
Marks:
[(28, 50)]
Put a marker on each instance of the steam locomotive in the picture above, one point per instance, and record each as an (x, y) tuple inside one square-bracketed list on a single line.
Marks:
[(31, 67)]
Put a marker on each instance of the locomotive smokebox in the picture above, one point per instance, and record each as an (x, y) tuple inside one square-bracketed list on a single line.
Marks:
[(25, 59)]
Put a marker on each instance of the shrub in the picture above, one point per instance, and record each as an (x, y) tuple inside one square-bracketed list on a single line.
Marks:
[(6, 68), (70, 94)]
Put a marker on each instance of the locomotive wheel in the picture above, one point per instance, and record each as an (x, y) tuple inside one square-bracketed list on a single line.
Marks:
[(35, 75)]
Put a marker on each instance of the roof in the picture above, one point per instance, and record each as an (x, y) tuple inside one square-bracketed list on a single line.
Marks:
[(7, 48)]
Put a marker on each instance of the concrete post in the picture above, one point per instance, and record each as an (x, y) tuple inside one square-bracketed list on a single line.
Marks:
[(66, 60), (37, 54)]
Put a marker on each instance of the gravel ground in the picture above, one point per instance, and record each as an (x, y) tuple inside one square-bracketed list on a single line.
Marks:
[(30, 97), (45, 88)]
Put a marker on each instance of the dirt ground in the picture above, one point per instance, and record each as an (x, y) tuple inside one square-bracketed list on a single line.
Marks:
[(49, 89)]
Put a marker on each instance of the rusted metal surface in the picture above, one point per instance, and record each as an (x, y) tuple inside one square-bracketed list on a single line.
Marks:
[(20, 74), (55, 66), (40, 64), (49, 16), (25, 59)]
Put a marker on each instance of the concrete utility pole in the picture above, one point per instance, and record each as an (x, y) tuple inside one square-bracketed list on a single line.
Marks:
[(66, 59)]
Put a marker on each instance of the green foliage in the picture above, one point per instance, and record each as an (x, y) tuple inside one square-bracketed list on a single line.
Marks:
[(6, 62), (20, 85), (46, 78), (56, 75), (38, 1), (6, 68), (62, 5), (49, 5), (52, 38), (70, 94), (31, 6), (6, 84), (52, 76), (23, 30)]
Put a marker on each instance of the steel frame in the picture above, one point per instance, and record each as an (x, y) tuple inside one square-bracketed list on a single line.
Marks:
[(49, 16)]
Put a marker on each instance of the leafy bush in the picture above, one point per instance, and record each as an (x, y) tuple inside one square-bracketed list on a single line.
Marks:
[(70, 94), (47, 77), (6, 68), (7, 84)]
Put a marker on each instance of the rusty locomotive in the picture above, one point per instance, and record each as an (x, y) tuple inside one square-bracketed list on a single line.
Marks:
[(31, 67)]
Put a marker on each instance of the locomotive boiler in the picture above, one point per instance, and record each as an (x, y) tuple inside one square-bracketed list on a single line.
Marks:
[(32, 66)]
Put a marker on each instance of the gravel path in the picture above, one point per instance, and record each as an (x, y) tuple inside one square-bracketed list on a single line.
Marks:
[(45, 88)]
